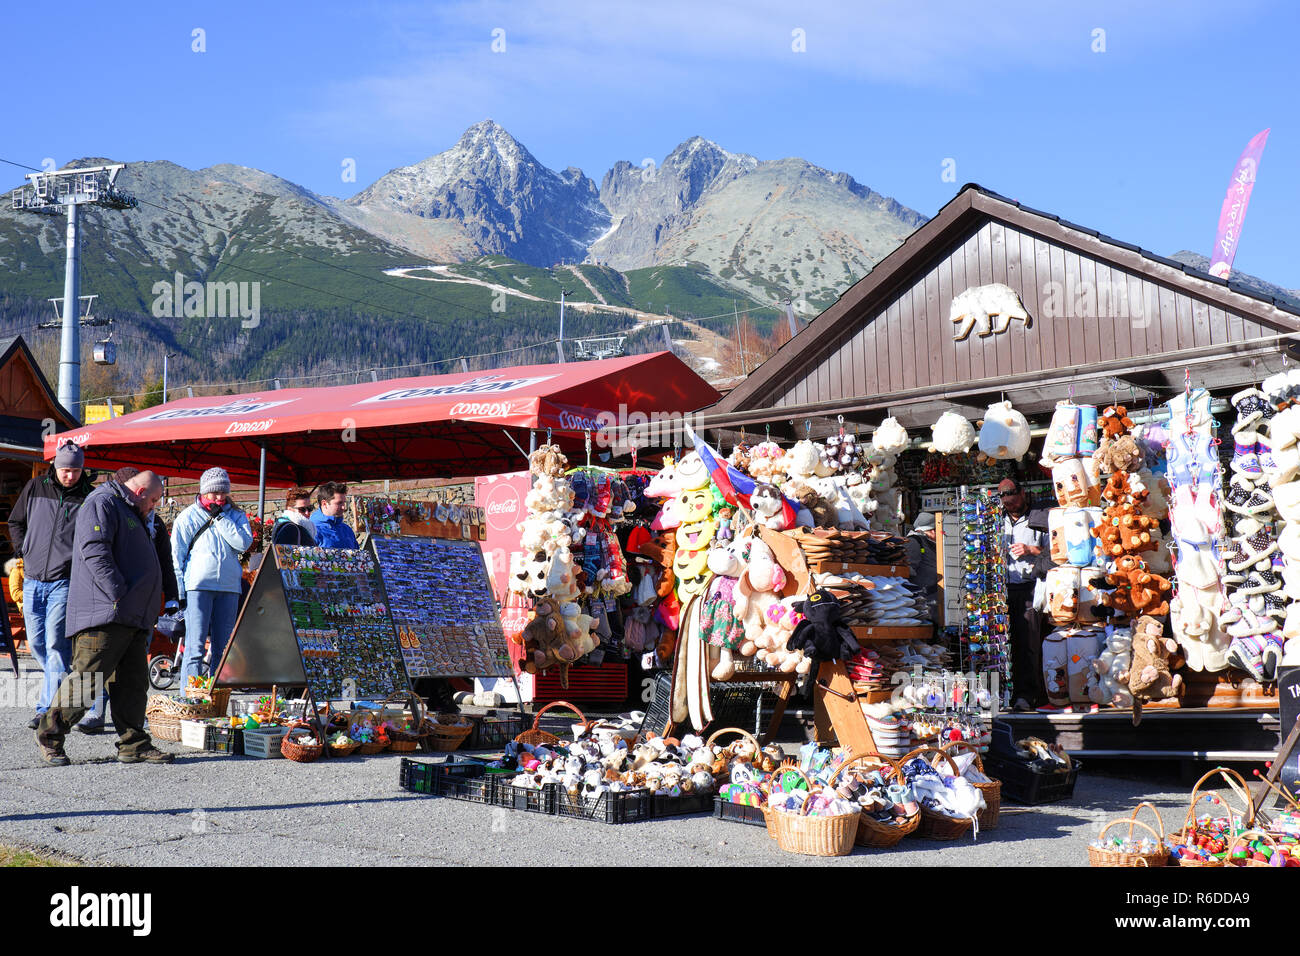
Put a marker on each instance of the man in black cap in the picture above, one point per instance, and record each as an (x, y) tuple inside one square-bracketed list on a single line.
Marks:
[(1025, 545), (922, 561), (41, 525)]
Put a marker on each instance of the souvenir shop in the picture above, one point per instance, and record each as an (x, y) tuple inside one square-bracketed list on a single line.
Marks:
[(1145, 408)]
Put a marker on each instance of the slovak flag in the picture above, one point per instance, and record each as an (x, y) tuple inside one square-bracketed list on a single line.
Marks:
[(735, 485)]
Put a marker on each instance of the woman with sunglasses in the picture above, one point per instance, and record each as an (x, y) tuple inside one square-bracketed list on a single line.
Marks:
[(294, 525)]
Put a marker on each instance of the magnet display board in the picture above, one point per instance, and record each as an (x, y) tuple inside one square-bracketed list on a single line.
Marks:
[(442, 606)]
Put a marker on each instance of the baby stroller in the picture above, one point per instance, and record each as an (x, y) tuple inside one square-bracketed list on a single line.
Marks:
[(165, 650)]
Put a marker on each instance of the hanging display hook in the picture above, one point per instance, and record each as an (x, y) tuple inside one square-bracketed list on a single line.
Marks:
[(807, 428)]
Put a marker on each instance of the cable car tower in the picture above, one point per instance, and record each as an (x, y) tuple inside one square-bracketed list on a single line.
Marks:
[(45, 194)]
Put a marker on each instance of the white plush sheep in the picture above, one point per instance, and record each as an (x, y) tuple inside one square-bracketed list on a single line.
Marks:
[(1004, 434), (953, 435)]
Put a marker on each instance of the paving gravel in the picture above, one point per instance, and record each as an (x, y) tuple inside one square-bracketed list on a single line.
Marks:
[(213, 810)]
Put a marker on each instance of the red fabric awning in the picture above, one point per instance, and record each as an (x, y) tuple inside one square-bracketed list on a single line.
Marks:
[(428, 427)]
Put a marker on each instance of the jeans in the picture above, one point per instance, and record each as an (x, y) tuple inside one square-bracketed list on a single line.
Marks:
[(45, 608), (209, 614), (114, 654)]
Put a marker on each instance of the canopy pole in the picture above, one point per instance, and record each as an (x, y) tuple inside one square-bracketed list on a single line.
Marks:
[(261, 494), (531, 443)]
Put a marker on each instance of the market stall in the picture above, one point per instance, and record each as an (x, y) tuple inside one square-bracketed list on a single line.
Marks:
[(995, 336)]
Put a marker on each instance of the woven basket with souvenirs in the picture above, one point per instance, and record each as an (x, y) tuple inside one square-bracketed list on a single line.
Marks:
[(872, 832), (166, 713), (935, 825), (1128, 852), (992, 791), (800, 832), (1206, 842), (301, 744), (444, 733)]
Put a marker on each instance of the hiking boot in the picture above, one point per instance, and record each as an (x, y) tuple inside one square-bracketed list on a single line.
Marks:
[(52, 754), (90, 727), (34, 722), (147, 755)]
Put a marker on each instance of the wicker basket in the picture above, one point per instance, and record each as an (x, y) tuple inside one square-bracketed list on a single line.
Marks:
[(1247, 836), (166, 713), (535, 736), (725, 778), (344, 750), (988, 817), (443, 733), (374, 747), (218, 698), (814, 836), (872, 832), (294, 749), (1157, 857), (1187, 832), (935, 825)]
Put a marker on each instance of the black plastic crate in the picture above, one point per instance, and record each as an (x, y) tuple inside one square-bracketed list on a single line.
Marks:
[(420, 776), (527, 799), (738, 813), (629, 806), (493, 733), (1022, 783), (223, 740), (666, 806)]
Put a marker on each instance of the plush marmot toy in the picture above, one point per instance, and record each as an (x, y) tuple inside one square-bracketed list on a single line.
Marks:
[(548, 460), (1149, 676)]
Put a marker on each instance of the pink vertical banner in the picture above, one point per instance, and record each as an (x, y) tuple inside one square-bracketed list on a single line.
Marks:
[(1233, 214), (502, 498)]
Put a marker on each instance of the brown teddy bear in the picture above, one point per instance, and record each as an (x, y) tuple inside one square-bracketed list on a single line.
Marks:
[(1149, 676), (823, 513), (1135, 529), (1114, 421), (1136, 590)]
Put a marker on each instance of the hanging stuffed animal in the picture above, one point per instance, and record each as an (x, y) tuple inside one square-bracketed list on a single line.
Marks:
[(952, 434), (890, 438), (1004, 434)]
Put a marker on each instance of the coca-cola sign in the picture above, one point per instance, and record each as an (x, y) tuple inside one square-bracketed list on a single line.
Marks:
[(504, 507)]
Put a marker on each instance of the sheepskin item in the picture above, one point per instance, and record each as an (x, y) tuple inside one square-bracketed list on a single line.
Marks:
[(1004, 434), (890, 438), (952, 434)]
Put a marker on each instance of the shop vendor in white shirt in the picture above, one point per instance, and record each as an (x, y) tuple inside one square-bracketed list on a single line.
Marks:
[(1024, 546)]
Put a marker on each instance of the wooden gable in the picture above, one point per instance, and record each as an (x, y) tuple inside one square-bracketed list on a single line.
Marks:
[(1100, 314)]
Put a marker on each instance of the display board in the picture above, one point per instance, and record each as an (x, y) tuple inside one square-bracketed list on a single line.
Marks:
[(340, 617), (442, 606)]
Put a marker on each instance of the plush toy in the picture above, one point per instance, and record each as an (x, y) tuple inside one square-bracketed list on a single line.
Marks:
[(769, 510), (1004, 433), (757, 588), (1120, 453), (1074, 484), (952, 435), (890, 438), (821, 514), (1149, 676), (842, 452), (549, 461), (692, 473), (764, 461), (1137, 590), (1150, 493), (1112, 669), (800, 462), (1113, 422)]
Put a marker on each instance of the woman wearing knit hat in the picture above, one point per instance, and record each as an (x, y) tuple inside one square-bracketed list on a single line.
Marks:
[(207, 539)]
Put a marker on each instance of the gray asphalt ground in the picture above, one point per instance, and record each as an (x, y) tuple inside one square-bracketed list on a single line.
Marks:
[(217, 810)]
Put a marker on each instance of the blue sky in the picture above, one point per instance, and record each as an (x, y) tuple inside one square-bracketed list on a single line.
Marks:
[(1137, 140)]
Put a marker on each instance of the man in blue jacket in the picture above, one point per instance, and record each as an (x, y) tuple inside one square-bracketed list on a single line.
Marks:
[(42, 525), (113, 600), (207, 539), (331, 530)]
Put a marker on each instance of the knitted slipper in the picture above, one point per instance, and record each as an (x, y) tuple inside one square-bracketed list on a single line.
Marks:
[(1271, 657), (1257, 549), (1251, 405), (1247, 653), (1238, 494), (1260, 582)]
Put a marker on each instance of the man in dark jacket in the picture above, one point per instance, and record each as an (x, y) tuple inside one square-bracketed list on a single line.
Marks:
[(93, 722), (113, 602), (41, 526)]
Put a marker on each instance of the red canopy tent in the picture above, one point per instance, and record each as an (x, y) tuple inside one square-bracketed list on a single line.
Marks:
[(439, 426)]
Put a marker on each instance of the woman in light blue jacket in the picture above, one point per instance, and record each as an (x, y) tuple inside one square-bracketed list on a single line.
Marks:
[(207, 539)]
